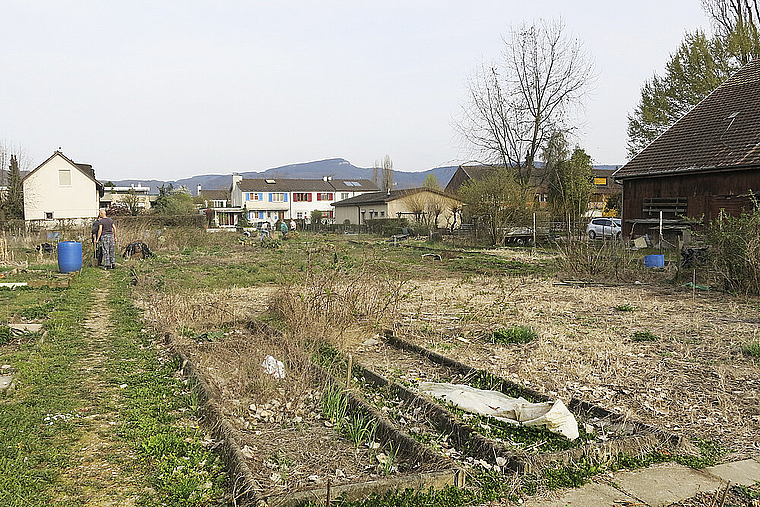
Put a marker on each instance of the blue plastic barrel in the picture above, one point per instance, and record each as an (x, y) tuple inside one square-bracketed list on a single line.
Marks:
[(69, 256), (652, 261)]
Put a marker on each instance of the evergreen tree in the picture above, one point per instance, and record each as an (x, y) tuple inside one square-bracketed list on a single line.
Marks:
[(14, 199), (570, 183), (698, 66)]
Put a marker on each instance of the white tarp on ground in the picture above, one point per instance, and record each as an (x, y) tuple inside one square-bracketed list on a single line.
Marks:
[(554, 415)]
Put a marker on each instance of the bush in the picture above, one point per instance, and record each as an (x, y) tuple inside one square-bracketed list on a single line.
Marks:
[(386, 226), (735, 251)]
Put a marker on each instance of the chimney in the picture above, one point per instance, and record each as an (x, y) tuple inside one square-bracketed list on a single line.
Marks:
[(236, 178), (198, 192)]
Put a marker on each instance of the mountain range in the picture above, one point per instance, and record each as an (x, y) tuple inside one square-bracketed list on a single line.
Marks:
[(338, 168)]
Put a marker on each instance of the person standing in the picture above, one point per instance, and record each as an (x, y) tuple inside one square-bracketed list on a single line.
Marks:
[(107, 235), (284, 229), (264, 231), (96, 259), (292, 225)]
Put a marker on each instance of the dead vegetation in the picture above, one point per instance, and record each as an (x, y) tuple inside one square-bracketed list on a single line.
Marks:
[(693, 380)]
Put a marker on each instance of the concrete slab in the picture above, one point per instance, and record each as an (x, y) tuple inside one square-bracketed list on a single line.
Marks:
[(598, 495), (5, 382), (744, 473), (666, 483), (25, 328)]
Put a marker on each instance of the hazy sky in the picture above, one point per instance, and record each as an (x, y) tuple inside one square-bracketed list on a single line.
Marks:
[(168, 90)]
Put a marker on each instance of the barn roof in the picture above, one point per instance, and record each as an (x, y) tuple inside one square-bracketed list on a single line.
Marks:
[(721, 132)]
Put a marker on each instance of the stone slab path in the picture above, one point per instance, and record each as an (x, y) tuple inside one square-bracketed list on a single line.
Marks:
[(656, 486)]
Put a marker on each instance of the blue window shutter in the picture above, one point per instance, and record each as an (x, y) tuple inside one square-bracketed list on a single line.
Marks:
[(270, 196), (247, 197), (261, 197), (261, 215), (285, 196)]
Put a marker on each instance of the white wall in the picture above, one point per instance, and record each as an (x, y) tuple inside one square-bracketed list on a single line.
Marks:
[(42, 193)]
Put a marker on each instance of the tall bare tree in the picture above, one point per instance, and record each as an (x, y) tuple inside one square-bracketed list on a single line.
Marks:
[(376, 172), (516, 104), (727, 14), (387, 174)]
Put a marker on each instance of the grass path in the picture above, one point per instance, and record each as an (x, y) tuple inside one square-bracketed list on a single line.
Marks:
[(99, 415), (102, 471)]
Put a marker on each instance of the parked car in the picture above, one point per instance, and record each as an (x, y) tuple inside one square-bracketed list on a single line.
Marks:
[(605, 228)]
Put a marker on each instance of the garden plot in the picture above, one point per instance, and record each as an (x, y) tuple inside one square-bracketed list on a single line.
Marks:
[(692, 379), (302, 434), (500, 444)]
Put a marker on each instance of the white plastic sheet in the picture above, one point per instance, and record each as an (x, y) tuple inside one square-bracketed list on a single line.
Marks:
[(274, 367), (554, 415)]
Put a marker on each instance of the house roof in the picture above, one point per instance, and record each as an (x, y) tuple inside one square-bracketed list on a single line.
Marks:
[(215, 195), (383, 197), (538, 176), (721, 132), (304, 185), (85, 169)]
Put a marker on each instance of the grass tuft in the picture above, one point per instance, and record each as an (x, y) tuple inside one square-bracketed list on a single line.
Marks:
[(644, 336), (514, 334), (625, 308), (751, 349)]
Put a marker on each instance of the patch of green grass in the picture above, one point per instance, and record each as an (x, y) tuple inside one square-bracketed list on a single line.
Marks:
[(749, 494), (625, 308), (6, 335), (751, 349), (40, 420), (644, 336), (156, 406), (514, 334)]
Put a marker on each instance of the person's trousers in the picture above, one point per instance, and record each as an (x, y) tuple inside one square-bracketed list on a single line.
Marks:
[(109, 250)]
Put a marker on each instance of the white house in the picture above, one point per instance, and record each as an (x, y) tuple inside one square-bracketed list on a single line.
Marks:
[(60, 189), (273, 199)]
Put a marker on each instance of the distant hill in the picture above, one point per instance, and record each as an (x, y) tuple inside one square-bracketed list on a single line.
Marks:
[(335, 167)]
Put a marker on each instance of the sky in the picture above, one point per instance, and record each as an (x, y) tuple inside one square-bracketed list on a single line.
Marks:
[(171, 89)]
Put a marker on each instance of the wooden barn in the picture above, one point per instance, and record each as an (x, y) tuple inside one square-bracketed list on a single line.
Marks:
[(708, 161)]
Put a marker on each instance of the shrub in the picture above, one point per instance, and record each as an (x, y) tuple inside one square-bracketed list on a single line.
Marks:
[(515, 334), (735, 251)]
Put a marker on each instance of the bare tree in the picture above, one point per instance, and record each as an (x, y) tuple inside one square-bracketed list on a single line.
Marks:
[(727, 14), (387, 173), (515, 105), (737, 22), (376, 172)]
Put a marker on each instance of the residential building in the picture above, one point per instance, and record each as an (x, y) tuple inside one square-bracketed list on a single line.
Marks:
[(708, 161), (410, 203), (273, 199), (136, 195), (61, 189)]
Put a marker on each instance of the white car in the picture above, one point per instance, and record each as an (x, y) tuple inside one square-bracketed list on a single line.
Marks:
[(605, 228)]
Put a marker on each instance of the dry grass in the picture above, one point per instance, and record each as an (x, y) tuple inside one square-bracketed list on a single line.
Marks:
[(694, 380)]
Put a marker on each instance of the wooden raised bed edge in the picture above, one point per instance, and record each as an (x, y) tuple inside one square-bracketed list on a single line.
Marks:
[(243, 483)]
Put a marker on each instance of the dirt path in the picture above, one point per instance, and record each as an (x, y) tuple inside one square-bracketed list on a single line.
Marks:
[(103, 473)]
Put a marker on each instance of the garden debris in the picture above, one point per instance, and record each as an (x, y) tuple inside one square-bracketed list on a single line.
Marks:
[(19, 329), (5, 382), (274, 367), (370, 342), (138, 250), (554, 415)]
